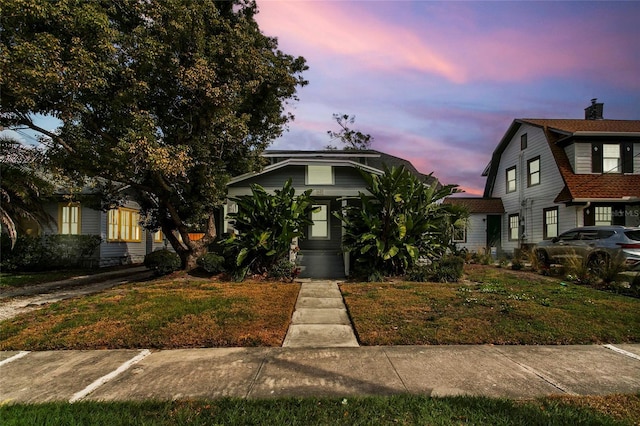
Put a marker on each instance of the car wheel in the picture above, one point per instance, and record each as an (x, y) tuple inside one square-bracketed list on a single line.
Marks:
[(598, 263), (542, 258)]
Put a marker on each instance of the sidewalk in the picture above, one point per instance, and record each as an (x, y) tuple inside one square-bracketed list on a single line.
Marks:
[(493, 371), (320, 357)]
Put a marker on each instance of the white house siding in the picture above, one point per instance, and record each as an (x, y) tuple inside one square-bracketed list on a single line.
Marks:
[(476, 233), (528, 202), (582, 158), (120, 252)]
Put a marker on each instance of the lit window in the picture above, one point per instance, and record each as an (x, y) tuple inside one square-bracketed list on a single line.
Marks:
[(511, 179), (514, 225), (319, 175), (69, 219), (603, 216), (533, 167), (320, 217), (123, 225), (158, 236), (550, 223)]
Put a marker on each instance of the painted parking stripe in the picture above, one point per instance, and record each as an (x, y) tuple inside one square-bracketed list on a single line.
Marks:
[(623, 352), (104, 379), (13, 358)]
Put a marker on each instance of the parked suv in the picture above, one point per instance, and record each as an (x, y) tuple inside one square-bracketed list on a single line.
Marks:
[(596, 245)]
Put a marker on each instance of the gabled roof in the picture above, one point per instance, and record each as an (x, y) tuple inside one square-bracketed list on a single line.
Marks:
[(578, 187), (370, 160), (477, 205)]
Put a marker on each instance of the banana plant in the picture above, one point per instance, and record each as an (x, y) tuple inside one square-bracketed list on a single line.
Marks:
[(265, 225), (401, 220)]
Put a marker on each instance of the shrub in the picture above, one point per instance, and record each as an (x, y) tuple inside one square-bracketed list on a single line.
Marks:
[(420, 273), (577, 270), (448, 269), (47, 253), (284, 269), (212, 263), (162, 262)]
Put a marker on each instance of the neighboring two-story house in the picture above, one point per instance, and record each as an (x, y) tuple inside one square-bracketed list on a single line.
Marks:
[(556, 174), (334, 176)]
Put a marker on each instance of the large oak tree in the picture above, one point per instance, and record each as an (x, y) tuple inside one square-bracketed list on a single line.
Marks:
[(170, 98)]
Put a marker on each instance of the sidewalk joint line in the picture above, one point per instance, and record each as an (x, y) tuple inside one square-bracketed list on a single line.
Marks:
[(538, 374), (15, 357), (395, 370), (623, 352), (252, 385), (106, 378)]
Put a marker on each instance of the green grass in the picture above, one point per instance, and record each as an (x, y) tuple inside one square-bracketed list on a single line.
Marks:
[(494, 306), (402, 410), (164, 314)]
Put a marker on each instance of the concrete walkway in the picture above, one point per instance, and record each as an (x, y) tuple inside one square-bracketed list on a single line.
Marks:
[(320, 357), (320, 319), (493, 371)]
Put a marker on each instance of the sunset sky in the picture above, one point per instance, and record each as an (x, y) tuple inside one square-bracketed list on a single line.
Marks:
[(439, 83)]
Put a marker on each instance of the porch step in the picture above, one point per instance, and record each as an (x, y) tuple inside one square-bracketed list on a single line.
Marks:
[(321, 264)]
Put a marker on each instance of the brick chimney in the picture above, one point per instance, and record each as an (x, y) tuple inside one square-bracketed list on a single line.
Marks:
[(594, 111)]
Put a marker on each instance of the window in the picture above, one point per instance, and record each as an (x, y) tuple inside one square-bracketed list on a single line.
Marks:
[(123, 225), (514, 225), (533, 171), (603, 215), (511, 179), (320, 217), (607, 158), (158, 237), (460, 234), (610, 158), (550, 223), (319, 175), (523, 142), (69, 219)]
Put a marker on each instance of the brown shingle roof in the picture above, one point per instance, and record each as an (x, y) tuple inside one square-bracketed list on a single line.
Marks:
[(588, 186), (476, 204)]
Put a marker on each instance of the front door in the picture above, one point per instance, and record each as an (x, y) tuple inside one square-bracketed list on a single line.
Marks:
[(494, 231), (320, 250)]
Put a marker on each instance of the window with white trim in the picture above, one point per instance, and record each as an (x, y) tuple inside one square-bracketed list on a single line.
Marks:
[(611, 161), (319, 175), (514, 227), (69, 219), (533, 171), (511, 179), (320, 218), (603, 215), (550, 223), (460, 234)]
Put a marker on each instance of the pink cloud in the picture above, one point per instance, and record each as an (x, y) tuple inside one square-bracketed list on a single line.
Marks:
[(461, 43), (333, 29)]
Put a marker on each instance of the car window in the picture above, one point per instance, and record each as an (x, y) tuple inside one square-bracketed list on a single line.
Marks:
[(589, 235), (634, 235), (567, 236), (602, 235)]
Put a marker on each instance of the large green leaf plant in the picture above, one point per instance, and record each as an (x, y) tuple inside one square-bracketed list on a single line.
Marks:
[(265, 225), (399, 222)]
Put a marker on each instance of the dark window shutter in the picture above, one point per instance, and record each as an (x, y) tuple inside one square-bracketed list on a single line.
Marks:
[(627, 157), (596, 157)]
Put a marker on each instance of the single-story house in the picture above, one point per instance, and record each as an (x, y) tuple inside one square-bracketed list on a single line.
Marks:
[(334, 176)]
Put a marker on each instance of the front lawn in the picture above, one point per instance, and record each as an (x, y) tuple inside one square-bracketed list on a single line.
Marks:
[(490, 306), (164, 313)]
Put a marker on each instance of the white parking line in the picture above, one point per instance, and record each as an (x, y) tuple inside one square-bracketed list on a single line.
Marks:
[(623, 352), (104, 379), (13, 358)]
